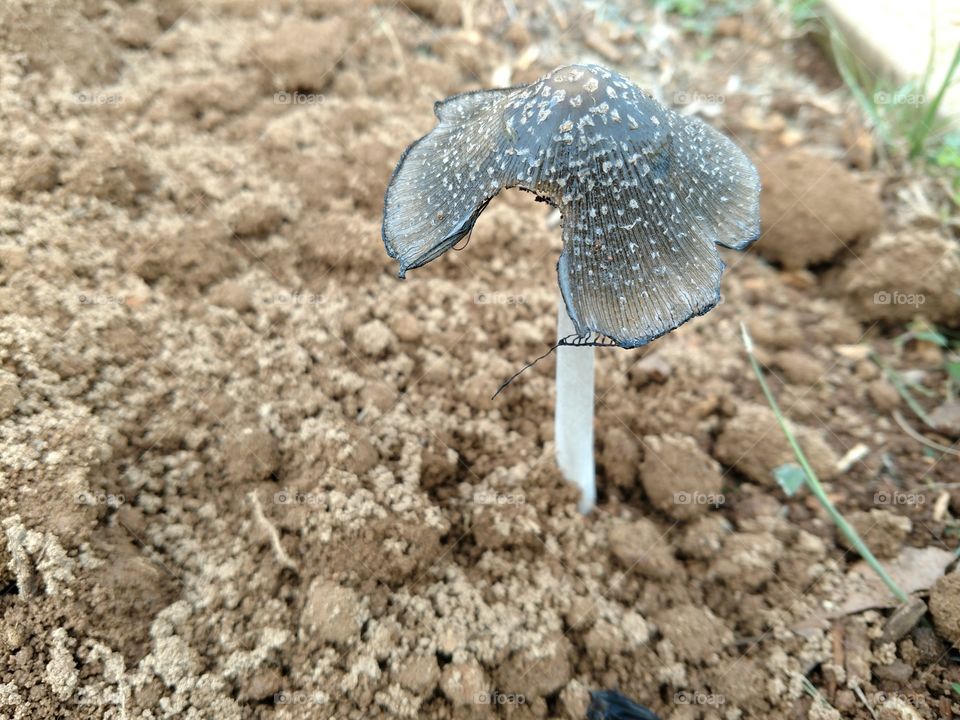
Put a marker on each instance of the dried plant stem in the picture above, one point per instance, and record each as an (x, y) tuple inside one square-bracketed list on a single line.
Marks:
[(272, 534)]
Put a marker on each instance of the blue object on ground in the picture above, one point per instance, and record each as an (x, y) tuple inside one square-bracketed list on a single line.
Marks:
[(611, 705)]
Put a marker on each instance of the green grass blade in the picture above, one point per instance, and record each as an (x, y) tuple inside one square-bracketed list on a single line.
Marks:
[(901, 387), (813, 482)]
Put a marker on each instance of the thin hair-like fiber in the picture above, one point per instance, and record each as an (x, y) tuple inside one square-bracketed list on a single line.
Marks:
[(574, 340)]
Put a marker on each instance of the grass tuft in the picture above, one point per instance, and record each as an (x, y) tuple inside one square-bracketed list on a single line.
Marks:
[(906, 117)]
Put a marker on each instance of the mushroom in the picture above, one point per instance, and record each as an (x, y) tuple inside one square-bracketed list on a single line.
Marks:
[(645, 195)]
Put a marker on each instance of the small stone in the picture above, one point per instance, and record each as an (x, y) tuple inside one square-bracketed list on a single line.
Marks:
[(903, 620), (800, 368), (12, 258), (679, 478), (929, 647), (897, 672), (331, 612), (739, 688), (651, 368), (946, 419), (883, 395)]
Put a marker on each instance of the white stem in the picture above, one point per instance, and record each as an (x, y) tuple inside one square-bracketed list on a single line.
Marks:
[(573, 418)]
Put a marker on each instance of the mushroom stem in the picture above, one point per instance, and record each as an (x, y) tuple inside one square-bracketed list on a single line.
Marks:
[(573, 417)]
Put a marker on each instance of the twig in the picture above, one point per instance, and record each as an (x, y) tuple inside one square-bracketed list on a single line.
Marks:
[(272, 533), (908, 429)]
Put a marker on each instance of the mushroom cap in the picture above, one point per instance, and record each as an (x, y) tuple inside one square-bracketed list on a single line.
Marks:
[(645, 194)]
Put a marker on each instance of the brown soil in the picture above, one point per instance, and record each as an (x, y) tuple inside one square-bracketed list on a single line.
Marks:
[(247, 472)]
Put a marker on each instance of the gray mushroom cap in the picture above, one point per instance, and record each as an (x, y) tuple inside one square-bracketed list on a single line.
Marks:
[(645, 194)]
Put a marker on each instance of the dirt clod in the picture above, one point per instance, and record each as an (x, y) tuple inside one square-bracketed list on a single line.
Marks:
[(812, 209), (464, 683), (680, 479), (252, 455), (752, 442), (331, 613), (302, 54), (945, 607), (643, 546), (695, 633), (945, 418), (899, 276), (9, 394)]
